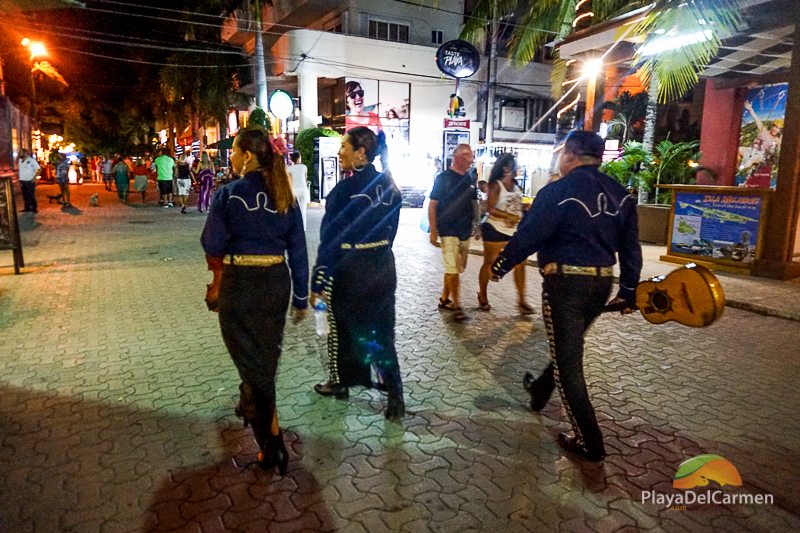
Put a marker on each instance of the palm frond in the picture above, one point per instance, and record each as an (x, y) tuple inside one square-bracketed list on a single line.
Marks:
[(476, 28), (678, 68), (541, 22), (557, 76)]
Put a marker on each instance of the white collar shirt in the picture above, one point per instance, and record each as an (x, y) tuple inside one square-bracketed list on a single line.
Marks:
[(28, 168)]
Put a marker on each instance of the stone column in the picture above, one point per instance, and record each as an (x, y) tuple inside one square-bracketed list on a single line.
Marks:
[(307, 91)]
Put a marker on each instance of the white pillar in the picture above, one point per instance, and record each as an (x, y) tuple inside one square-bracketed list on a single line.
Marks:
[(307, 91)]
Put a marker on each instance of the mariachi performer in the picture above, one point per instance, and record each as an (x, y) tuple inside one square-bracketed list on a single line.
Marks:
[(355, 274), (578, 225), (252, 223)]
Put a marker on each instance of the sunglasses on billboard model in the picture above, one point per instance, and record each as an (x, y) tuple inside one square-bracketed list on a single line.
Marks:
[(358, 93)]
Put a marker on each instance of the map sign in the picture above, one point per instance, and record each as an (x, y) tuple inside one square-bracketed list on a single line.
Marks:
[(718, 226)]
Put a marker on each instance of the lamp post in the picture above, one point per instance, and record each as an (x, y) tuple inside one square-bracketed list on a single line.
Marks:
[(36, 49)]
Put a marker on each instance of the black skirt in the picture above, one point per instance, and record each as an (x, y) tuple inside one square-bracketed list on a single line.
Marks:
[(361, 346)]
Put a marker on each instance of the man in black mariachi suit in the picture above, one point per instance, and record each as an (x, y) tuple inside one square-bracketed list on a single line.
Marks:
[(577, 225)]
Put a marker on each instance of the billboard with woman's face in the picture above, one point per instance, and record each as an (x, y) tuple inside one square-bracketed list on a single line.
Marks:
[(361, 104), (378, 105)]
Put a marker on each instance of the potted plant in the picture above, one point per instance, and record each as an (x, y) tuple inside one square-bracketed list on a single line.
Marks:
[(672, 163)]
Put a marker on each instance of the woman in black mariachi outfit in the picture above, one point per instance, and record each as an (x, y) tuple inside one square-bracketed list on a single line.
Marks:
[(355, 274), (252, 223)]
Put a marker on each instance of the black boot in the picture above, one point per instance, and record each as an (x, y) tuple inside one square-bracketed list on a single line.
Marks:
[(396, 408), (540, 389), (577, 447), (340, 392), (275, 455)]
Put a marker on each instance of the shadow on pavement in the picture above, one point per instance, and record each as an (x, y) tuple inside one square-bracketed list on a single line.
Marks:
[(27, 223), (228, 496), (69, 464)]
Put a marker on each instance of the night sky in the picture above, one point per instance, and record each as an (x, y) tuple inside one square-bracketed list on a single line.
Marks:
[(77, 37)]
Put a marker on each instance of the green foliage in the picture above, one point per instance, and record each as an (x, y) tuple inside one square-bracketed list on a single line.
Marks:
[(638, 169), (671, 162), (304, 143), (260, 117), (629, 108), (632, 170)]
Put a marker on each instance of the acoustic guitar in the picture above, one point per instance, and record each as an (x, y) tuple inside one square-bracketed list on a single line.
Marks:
[(691, 296)]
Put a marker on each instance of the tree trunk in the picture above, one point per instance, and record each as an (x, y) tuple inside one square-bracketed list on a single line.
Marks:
[(649, 128), (488, 132), (261, 71), (171, 135), (223, 134), (195, 128)]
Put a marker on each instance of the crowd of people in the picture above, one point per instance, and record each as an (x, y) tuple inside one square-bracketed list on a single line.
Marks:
[(126, 174), (578, 225)]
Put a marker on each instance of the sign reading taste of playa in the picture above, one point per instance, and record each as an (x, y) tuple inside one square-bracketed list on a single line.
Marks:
[(458, 59)]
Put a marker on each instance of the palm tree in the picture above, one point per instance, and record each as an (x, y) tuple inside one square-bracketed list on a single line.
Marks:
[(628, 108), (255, 8)]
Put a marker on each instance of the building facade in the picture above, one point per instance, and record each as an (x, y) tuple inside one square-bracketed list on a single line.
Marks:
[(383, 52)]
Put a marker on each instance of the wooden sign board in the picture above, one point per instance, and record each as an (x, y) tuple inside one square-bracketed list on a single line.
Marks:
[(9, 225)]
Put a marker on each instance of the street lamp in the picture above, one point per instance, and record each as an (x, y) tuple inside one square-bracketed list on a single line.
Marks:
[(36, 49)]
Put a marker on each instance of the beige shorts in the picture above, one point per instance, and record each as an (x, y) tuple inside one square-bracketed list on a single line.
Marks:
[(454, 252)]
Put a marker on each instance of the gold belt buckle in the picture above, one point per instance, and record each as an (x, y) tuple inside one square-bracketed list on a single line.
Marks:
[(253, 260)]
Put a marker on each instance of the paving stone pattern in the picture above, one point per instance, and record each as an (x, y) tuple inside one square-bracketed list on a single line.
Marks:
[(116, 397)]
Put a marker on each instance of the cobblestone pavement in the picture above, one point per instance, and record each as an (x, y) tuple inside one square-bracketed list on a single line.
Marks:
[(116, 397)]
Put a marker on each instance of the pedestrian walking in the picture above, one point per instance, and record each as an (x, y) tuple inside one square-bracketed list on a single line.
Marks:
[(140, 177), (299, 173), (450, 216), (29, 171), (165, 171), (504, 207), (355, 275), (205, 175), (62, 178), (108, 176), (577, 225), (252, 223), (92, 168), (183, 182), (122, 178)]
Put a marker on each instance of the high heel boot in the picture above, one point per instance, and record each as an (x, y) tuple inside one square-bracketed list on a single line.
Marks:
[(396, 408), (279, 453)]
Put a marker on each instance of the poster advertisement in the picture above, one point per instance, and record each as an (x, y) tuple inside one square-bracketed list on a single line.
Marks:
[(383, 107), (719, 226), (394, 108), (453, 138), (361, 104), (760, 136)]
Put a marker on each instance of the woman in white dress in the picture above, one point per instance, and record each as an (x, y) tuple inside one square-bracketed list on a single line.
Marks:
[(299, 174)]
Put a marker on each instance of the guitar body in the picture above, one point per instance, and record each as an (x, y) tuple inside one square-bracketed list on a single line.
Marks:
[(691, 296)]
